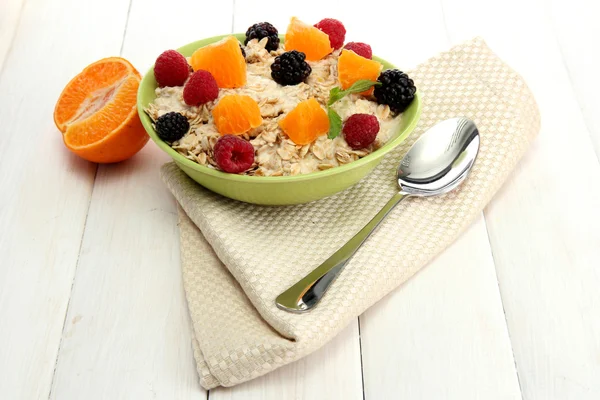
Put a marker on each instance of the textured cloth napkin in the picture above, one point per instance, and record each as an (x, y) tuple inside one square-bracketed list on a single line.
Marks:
[(238, 257)]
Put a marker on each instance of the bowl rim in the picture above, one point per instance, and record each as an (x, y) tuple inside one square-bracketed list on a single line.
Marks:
[(180, 159)]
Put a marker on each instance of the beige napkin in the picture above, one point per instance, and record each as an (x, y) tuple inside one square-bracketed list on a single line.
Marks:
[(238, 257)]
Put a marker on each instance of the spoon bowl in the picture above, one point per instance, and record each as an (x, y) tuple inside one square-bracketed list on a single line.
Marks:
[(438, 162)]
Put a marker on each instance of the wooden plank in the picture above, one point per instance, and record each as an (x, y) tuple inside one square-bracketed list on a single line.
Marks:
[(443, 334), (9, 19), (127, 333), (332, 372), (578, 33), (44, 190), (545, 242)]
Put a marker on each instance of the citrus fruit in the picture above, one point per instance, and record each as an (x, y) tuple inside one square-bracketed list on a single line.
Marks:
[(352, 67), (307, 39), (96, 112), (236, 114), (224, 60), (305, 122)]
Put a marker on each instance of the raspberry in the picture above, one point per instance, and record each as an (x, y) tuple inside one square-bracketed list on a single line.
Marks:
[(362, 49), (290, 68), (360, 130), (171, 69), (200, 88), (233, 154), (335, 29), (263, 30), (172, 126), (396, 90)]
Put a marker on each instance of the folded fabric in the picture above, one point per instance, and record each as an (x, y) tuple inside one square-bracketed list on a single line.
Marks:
[(237, 257)]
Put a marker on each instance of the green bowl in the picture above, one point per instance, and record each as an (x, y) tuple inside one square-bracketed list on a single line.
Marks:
[(274, 190)]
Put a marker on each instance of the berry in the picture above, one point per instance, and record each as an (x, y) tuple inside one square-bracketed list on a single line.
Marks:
[(263, 30), (334, 29), (200, 88), (290, 68), (233, 154), (362, 49), (171, 69), (172, 126), (397, 90), (360, 130)]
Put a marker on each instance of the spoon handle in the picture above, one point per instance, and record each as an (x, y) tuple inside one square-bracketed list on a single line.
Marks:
[(307, 292)]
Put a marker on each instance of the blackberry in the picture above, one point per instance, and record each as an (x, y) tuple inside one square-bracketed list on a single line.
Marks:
[(397, 90), (290, 68), (263, 30), (172, 126)]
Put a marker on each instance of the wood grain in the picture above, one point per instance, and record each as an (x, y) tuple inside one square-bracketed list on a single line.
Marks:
[(44, 190), (545, 241), (442, 335), (128, 323), (9, 19), (574, 24)]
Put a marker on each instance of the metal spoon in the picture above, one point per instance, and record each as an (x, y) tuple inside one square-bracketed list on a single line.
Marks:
[(438, 162)]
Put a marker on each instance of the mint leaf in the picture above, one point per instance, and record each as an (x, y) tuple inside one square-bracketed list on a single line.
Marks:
[(359, 86), (335, 123)]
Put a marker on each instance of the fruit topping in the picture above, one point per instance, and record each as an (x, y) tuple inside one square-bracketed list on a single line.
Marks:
[(290, 68), (172, 126), (200, 88), (305, 122), (224, 60), (334, 29), (307, 39), (360, 130), (352, 67), (171, 69), (264, 30), (233, 154), (362, 49), (397, 90), (236, 114)]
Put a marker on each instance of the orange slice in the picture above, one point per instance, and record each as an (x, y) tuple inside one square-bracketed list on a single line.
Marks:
[(96, 112), (305, 122), (352, 67), (224, 60), (307, 39), (236, 114)]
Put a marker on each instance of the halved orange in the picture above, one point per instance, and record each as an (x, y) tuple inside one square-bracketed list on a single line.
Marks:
[(236, 114), (352, 67), (224, 60), (96, 112), (305, 122), (307, 39)]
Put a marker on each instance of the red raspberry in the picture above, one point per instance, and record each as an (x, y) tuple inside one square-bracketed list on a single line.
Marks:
[(360, 130), (200, 88), (362, 49), (171, 69), (335, 29), (233, 154)]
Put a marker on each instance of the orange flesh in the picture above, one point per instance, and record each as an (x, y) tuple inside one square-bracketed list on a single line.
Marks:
[(224, 60), (307, 39), (236, 114), (306, 122), (352, 67)]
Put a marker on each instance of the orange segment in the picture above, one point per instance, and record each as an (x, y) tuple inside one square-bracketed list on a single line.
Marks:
[(305, 122), (236, 114), (352, 67), (97, 112), (307, 39), (224, 60), (85, 91)]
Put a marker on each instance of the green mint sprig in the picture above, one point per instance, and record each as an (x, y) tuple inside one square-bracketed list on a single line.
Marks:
[(336, 94)]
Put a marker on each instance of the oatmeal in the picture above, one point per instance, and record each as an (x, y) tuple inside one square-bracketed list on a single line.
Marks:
[(275, 153)]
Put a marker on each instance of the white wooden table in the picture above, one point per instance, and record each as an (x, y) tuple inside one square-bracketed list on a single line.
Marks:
[(91, 300)]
